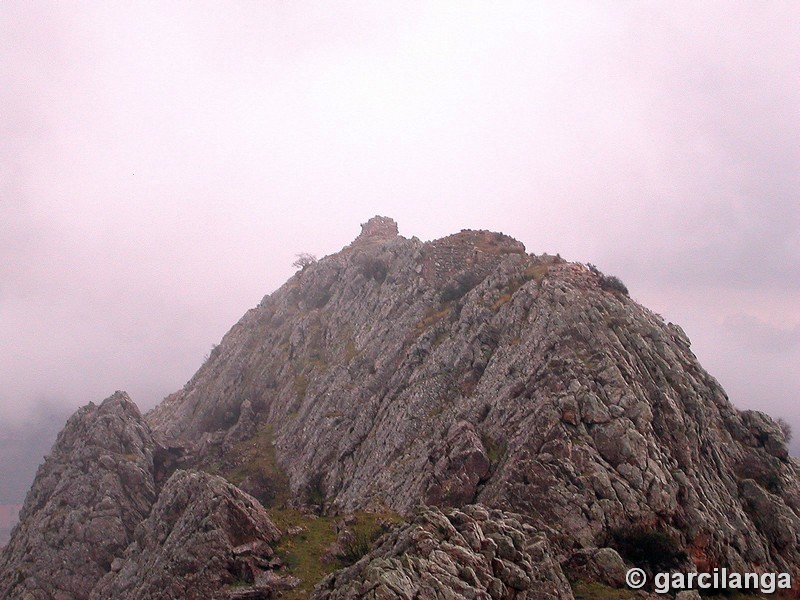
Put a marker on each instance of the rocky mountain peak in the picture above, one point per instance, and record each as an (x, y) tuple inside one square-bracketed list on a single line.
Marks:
[(550, 423), (377, 229)]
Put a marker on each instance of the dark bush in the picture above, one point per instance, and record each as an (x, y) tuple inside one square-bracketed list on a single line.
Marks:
[(315, 489), (212, 354), (271, 489), (648, 548), (374, 268), (357, 546), (610, 283), (462, 284)]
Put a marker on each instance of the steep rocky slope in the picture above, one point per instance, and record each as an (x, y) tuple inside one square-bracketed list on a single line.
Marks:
[(97, 524), (87, 499), (464, 370), (520, 397)]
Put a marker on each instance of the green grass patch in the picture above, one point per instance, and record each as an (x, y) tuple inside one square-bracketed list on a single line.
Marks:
[(494, 449), (254, 460), (536, 272), (302, 553), (432, 316)]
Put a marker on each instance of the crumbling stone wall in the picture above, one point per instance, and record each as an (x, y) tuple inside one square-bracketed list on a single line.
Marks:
[(377, 229), (469, 249)]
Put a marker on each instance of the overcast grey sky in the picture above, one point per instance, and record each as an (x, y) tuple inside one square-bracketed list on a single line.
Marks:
[(162, 162)]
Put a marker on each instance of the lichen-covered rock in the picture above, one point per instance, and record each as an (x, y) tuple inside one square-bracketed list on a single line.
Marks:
[(87, 499), (461, 466), (95, 524), (202, 535), (473, 553)]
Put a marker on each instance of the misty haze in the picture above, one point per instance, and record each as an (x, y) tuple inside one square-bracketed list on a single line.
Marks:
[(163, 167)]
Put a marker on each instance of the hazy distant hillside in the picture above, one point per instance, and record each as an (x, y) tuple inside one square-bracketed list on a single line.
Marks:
[(23, 447), (9, 514)]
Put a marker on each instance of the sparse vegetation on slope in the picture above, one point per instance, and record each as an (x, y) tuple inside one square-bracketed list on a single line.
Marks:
[(305, 549), (251, 464)]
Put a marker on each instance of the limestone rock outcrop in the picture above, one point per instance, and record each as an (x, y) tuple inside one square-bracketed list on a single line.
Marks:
[(202, 536), (96, 524), (472, 552), (465, 370), (86, 501)]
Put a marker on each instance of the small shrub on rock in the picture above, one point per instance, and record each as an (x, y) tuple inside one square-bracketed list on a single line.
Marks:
[(356, 546), (374, 268), (456, 290), (303, 260), (610, 283), (315, 489)]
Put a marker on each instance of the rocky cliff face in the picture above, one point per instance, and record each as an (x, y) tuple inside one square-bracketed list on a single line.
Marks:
[(449, 373), (95, 523), (87, 498), (464, 370), (202, 535)]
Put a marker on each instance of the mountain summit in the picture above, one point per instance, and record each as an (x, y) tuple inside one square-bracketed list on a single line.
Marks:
[(528, 420)]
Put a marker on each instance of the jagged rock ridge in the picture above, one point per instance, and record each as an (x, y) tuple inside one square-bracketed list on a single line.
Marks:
[(88, 497), (452, 372), (465, 370), (469, 553), (96, 525), (201, 535)]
